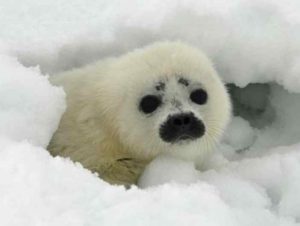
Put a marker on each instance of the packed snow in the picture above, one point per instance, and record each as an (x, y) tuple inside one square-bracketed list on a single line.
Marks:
[(252, 178)]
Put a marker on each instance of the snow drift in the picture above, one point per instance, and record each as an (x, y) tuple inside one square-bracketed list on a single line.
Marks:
[(252, 178)]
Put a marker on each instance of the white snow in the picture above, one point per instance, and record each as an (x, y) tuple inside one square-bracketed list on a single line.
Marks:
[(253, 178), (30, 107)]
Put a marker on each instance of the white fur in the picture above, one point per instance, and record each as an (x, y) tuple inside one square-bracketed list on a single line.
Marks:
[(103, 123)]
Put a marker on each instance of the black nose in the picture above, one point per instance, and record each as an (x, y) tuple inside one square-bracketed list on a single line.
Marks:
[(181, 121), (184, 126)]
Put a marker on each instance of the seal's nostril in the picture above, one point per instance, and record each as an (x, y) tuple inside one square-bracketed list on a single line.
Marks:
[(181, 120), (177, 122), (186, 120)]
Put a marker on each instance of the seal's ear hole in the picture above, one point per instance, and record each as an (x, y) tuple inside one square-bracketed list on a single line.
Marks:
[(253, 103)]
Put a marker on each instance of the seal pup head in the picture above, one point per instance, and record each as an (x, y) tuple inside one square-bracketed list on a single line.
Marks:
[(170, 99)]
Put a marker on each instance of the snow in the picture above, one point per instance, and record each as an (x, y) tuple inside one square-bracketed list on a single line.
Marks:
[(240, 135), (251, 179), (30, 107)]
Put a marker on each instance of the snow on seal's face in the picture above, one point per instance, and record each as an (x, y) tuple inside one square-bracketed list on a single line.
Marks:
[(172, 101)]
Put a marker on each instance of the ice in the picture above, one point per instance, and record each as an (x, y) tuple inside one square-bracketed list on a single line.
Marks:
[(252, 178)]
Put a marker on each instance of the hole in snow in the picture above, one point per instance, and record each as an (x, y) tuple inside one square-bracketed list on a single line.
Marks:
[(265, 116), (253, 104)]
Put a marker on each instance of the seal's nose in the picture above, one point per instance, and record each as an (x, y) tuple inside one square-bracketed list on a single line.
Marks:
[(182, 121), (182, 127)]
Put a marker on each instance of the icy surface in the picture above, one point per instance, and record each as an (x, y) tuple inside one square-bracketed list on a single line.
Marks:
[(253, 178)]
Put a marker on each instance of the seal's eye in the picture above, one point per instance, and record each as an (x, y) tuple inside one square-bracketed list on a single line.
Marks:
[(199, 96), (149, 103)]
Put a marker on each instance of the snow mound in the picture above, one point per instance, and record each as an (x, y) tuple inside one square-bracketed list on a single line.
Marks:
[(30, 107), (37, 189), (251, 179)]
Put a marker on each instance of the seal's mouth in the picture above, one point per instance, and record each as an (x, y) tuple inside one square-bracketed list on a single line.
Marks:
[(185, 137)]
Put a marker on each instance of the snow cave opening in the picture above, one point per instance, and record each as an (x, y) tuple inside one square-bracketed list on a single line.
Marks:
[(253, 104), (265, 115)]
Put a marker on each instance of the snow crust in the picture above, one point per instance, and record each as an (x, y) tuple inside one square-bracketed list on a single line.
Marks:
[(251, 179)]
